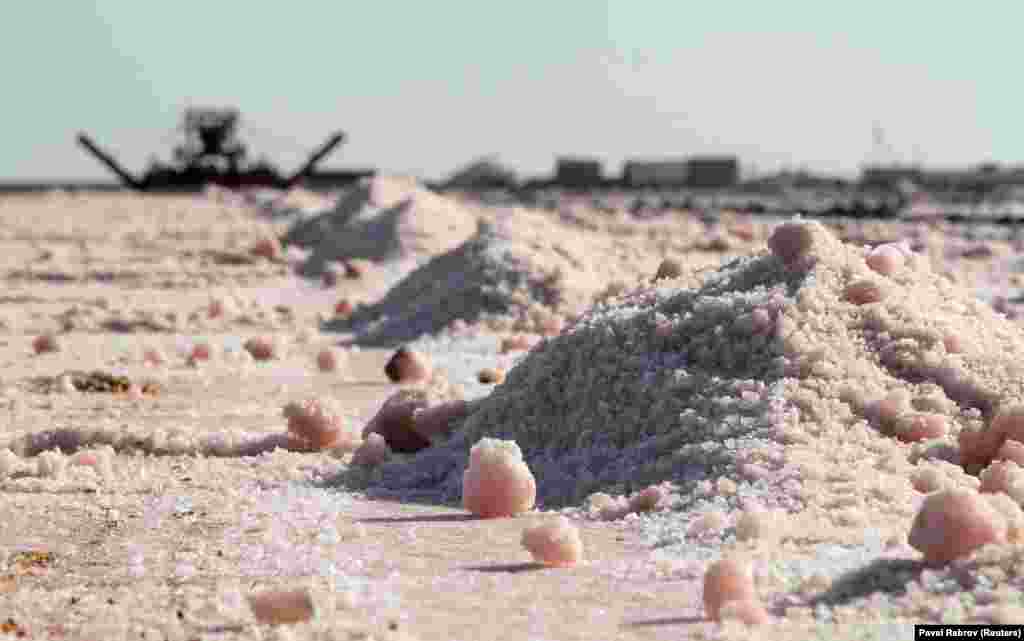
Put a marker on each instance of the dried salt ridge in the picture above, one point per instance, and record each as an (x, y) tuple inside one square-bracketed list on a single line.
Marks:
[(492, 276), (381, 218), (764, 381)]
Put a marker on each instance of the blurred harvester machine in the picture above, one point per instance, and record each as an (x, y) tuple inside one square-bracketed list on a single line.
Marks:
[(210, 154)]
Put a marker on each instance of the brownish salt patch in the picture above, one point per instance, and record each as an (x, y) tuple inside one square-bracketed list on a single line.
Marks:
[(669, 268), (328, 360), (45, 343)]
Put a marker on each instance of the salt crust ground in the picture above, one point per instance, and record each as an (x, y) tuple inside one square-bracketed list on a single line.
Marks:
[(150, 537)]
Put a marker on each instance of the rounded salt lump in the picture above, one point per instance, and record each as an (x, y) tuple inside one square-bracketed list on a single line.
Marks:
[(791, 241), (556, 542), (498, 482), (954, 522)]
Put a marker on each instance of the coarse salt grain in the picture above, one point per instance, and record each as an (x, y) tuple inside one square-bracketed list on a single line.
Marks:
[(725, 581), (954, 522)]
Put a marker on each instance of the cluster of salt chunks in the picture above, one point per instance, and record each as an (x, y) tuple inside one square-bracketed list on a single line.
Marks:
[(951, 523)]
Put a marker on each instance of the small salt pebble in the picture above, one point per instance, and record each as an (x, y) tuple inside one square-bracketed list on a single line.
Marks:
[(669, 268), (886, 259), (497, 483), (863, 292), (215, 309), (373, 451), (953, 343), (343, 309), (153, 357), (491, 375), (408, 366), (45, 343), (556, 543), (327, 360), (268, 247), (201, 352), (357, 268), (281, 606), (725, 581), (912, 428), (791, 241), (551, 325), (648, 499), (514, 344), (261, 348), (319, 425), (954, 522)]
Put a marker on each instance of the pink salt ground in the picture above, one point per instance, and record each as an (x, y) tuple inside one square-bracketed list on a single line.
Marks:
[(171, 546)]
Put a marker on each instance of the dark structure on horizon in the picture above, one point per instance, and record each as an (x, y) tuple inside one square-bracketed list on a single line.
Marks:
[(212, 154)]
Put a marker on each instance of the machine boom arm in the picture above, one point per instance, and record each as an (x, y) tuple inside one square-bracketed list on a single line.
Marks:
[(316, 157), (105, 158)]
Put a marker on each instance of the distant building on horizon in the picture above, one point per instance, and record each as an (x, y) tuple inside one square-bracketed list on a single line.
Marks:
[(574, 171), (713, 172), (656, 173)]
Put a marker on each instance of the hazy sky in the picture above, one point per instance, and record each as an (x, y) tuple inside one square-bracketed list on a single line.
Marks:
[(422, 87)]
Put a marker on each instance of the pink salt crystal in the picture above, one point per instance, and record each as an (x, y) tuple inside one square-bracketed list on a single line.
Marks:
[(921, 427), (86, 459), (762, 321), (261, 348), (318, 425), (201, 352), (268, 247), (515, 343), (343, 309), (744, 230), (497, 483), (863, 292), (357, 267), (281, 606), (1011, 450), (746, 611), (408, 366), (556, 542), (885, 411), (395, 421), (45, 343), (437, 420), (952, 523), (1000, 476), (791, 241), (980, 447), (663, 329), (215, 309), (886, 259), (153, 357), (552, 325), (648, 499), (134, 392), (327, 360), (373, 451), (953, 343), (725, 581)]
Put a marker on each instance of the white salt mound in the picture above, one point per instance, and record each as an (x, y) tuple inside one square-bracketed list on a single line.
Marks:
[(687, 386), (504, 275), (382, 218)]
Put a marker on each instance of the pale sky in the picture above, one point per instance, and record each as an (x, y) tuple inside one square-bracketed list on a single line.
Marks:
[(423, 87)]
